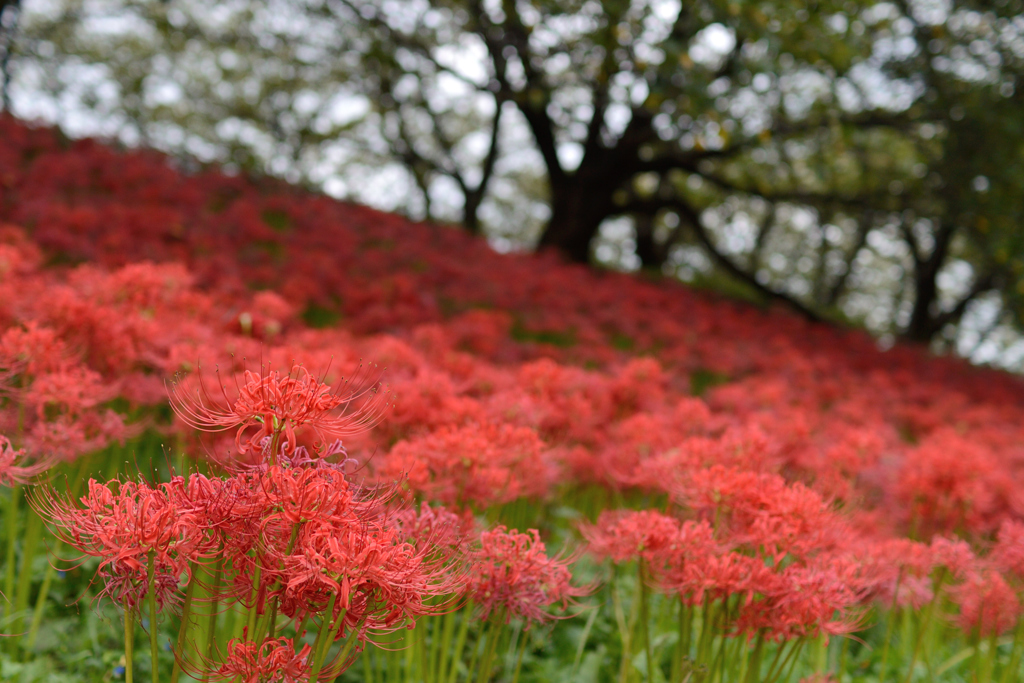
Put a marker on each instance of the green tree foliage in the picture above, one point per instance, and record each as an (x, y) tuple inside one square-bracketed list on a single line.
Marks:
[(854, 160)]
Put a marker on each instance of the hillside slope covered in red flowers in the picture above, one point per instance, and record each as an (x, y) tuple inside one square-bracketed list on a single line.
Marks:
[(774, 481)]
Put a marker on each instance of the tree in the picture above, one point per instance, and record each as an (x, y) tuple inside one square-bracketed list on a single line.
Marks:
[(10, 11), (825, 156)]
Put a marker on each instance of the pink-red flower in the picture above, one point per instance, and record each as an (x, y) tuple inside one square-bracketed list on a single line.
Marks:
[(277, 404), (123, 528), (510, 574), (272, 661), (16, 468)]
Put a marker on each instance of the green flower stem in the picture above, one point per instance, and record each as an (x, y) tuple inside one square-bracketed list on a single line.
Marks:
[(424, 659), (820, 655), (738, 670), (186, 625), (844, 652), (754, 666), (775, 661), (792, 659), (989, 665), (239, 616), (321, 636), (645, 620), (447, 631), (487, 663), (408, 655), (44, 589), (524, 636), (890, 626), (154, 650), (923, 622), (30, 542), (680, 651), (624, 632), (1015, 655), (129, 643), (583, 642), (37, 614), (349, 643), (254, 599), (475, 652), (721, 660), (460, 642), (267, 623), (706, 631), (211, 626), (368, 669), (12, 540)]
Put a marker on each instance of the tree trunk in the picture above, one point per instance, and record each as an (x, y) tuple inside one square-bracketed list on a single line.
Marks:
[(579, 203), (651, 254), (470, 217), (921, 328), (923, 324)]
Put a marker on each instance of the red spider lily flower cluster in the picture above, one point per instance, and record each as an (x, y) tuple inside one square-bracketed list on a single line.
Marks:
[(296, 537), (481, 465), (277, 405), (124, 528), (511, 575), (776, 594), (274, 661), (15, 467), (795, 472)]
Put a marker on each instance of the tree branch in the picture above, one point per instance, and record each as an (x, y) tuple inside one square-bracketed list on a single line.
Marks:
[(687, 212), (513, 35), (981, 285), (863, 228)]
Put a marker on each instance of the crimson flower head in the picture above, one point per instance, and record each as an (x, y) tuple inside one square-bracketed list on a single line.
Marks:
[(476, 464), (273, 661), (803, 601), (277, 404), (625, 535), (13, 467), (379, 579), (510, 574), (1008, 553), (988, 604), (122, 528)]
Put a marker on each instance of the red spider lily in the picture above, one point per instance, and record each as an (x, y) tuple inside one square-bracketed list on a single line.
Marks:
[(988, 605), (279, 404), (626, 535), (301, 494), (764, 512), (802, 602), (12, 473), (697, 575), (33, 349), (954, 556), (907, 443), (128, 585), (272, 661), (1008, 553), (71, 390), (511, 574), (379, 579), (433, 527), (897, 572), (123, 527), (67, 437), (482, 465), (302, 534)]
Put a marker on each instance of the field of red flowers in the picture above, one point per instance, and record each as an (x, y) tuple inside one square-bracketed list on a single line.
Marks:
[(255, 434)]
